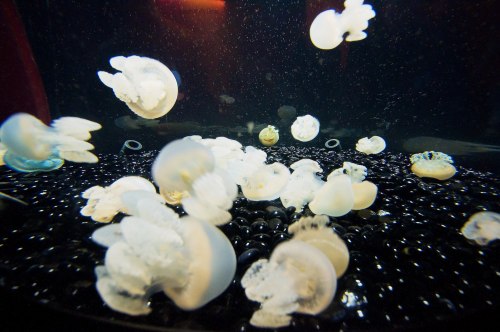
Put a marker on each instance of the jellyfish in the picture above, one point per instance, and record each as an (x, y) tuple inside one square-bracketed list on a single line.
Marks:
[(305, 128), (315, 231), (328, 28), (269, 136), (373, 145), (431, 164), (298, 277), (105, 202), (302, 185), (266, 182), (31, 146), (154, 250), (482, 227), (146, 85)]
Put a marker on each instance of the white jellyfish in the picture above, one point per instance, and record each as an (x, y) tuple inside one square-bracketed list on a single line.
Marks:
[(482, 227), (431, 164), (32, 146), (329, 27), (305, 128), (373, 145), (302, 185), (298, 277), (315, 231), (146, 85), (266, 183), (106, 202), (191, 261)]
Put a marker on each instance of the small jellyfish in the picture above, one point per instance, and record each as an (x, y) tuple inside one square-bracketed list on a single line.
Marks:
[(305, 128), (373, 145), (269, 136), (329, 27), (482, 227), (431, 164), (298, 277), (31, 146), (146, 85)]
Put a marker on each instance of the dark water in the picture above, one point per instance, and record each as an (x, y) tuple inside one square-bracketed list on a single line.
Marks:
[(409, 269), (427, 68)]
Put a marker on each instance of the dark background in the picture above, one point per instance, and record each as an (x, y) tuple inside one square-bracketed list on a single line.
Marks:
[(427, 68)]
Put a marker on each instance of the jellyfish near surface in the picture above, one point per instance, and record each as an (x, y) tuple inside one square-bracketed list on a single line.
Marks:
[(32, 146)]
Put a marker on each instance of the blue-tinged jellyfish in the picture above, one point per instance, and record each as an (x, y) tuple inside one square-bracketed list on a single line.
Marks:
[(31, 146)]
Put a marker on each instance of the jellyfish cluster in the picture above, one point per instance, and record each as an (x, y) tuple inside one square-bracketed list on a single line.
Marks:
[(154, 249)]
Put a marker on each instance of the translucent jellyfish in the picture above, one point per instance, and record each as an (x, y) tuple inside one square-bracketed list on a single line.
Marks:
[(431, 164), (329, 27), (266, 183), (302, 185), (146, 85), (315, 231), (298, 277), (373, 145), (226, 100), (32, 146), (191, 261), (181, 162), (482, 227), (305, 128), (357, 173), (287, 113), (106, 202), (269, 136), (335, 198)]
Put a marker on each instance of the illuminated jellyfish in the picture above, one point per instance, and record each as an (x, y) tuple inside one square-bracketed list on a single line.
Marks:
[(373, 145), (146, 85), (32, 146), (269, 136), (305, 128), (431, 164), (329, 27)]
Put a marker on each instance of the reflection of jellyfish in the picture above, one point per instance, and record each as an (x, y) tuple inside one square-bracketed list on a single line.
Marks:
[(457, 148), (32, 146), (146, 85)]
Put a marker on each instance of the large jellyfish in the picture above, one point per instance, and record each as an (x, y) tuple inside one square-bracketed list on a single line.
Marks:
[(146, 85), (32, 146)]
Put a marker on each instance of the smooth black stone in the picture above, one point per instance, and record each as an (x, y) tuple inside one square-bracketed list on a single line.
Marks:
[(259, 226), (249, 256)]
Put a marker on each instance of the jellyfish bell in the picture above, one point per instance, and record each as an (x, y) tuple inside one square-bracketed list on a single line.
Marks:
[(432, 164), (269, 136), (373, 145), (482, 227), (305, 128), (146, 85), (179, 163), (329, 27), (266, 182), (335, 198)]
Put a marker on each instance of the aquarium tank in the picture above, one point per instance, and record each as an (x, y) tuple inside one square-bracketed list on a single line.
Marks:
[(249, 165)]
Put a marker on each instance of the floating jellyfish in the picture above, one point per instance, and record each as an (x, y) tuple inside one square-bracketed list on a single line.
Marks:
[(181, 162), (287, 113), (226, 100), (146, 85), (329, 27), (302, 185), (105, 202), (373, 145), (266, 183), (298, 277), (305, 128), (32, 146), (315, 231), (154, 250), (482, 227), (269, 136), (431, 164)]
